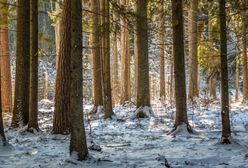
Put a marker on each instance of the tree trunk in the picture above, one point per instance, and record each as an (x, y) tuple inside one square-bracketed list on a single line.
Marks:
[(96, 60), (212, 86), (33, 101), (105, 59), (179, 66), (58, 25), (45, 96), (143, 89), (124, 54), (5, 59), (21, 100), (226, 130), (2, 135), (115, 53), (244, 45), (78, 143), (193, 59), (161, 43), (62, 92), (237, 80)]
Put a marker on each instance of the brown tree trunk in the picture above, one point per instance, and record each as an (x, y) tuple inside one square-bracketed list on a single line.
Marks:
[(213, 85), (5, 59), (21, 100), (45, 96), (226, 130), (179, 66), (143, 89), (33, 101), (96, 60), (78, 143), (115, 53), (2, 135), (244, 45), (62, 90), (193, 58), (57, 29), (124, 55), (237, 79), (105, 59), (161, 42)]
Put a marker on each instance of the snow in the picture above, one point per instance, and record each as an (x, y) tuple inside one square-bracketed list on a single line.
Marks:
[(130, 142)]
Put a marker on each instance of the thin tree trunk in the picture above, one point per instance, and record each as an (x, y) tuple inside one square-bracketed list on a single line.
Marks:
[(244, 45), (58, 25), (2, 135), (33, 101), (62, 90), (226, 130), (237, 80), (21, 100), (179, 65), (96, 60), (212, 86), (143, 89), (193, 58), (78, 143), (5, 59), (124, 55), (45, 96), (161, 42), (105, 59)]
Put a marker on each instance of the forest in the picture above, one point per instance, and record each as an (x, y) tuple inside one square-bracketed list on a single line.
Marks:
[(123, 83)]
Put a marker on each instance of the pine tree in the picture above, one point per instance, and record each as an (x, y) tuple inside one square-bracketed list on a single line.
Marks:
[(2, 135), (78, 138), (33, 101), (226, 130), (62, 90), (96, 60), (179, 67), (5, 58), (143, 88), (21, 101)]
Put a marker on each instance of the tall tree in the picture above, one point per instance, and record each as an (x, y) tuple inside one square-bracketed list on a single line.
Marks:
[(244, 45), (62, 90), (33, 101), (21, 101), (161, 42), (125, 65), (96, 60), (105, 58), (143, 88), (5, 58), (179, 66), (226, 130), (78, 138), (2, 135), (193, 59)]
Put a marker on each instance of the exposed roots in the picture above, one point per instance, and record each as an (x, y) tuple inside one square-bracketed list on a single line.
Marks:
[(182, 129), (144, 112)]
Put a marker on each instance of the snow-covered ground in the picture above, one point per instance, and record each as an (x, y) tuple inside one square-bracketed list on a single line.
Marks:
[(129, 143)]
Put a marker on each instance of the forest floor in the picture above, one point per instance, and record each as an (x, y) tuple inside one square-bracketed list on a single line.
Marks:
[(126, 142)]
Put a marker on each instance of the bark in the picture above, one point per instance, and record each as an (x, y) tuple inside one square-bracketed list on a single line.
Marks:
[(162, 59), (237, 80), (21, 99), (213, 85), (105, 59), (244, 45), (2, 135), (124, 55), (179, 64), (96, 60), (45, 96), (5, 59), (143, 89), (226, 130), (62, 91), (78, 143), (33, 101), (193, 58), (57, 29)]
